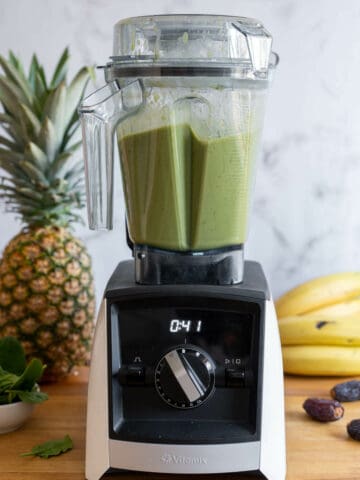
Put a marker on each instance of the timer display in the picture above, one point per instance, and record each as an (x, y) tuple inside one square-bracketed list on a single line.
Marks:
[(185, 325)]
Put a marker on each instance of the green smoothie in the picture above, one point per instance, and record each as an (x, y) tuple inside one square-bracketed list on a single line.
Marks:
[(184, 192)]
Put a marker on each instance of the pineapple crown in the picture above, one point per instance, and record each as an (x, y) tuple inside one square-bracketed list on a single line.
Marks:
[(42, 183)]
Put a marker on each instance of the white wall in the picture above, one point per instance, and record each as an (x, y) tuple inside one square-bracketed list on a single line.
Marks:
[(306, 218)]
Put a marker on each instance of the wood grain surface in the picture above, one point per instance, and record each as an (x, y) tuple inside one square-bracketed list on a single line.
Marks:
[(315, 451)]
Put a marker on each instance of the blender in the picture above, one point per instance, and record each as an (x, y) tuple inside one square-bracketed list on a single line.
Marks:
[(186, 370)]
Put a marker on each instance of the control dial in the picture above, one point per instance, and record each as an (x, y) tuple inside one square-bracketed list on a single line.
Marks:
[(185, 377)]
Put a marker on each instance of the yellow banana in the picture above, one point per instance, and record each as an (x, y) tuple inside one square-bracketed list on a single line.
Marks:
[(343, 309), (317, 329), (319, 292), (321, 360)]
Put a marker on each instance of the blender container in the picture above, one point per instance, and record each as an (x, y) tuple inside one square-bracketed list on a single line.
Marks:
[(185, 98)]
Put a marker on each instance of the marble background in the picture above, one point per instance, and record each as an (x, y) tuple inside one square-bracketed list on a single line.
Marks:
[(306, 215)]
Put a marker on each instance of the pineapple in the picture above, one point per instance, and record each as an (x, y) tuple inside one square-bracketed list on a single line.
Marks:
[(46, 284)]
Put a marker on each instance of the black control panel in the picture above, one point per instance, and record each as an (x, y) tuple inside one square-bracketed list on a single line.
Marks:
[(185, 368)]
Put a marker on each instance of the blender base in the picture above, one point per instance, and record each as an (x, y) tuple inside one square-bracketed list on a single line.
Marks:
[(262, 452)]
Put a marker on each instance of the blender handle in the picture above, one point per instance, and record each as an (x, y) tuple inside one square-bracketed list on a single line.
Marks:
[(100, 113)]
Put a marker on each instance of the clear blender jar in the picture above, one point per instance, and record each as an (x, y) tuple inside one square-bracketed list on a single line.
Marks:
[(185, 98)]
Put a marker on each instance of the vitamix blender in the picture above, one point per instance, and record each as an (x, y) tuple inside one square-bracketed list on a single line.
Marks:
[(186, 372)]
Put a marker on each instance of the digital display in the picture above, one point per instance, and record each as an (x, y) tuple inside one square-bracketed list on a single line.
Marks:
[(185, 325), (149, 328)]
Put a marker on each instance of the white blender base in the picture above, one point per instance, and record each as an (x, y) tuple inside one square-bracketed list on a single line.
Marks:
[(267, 455)]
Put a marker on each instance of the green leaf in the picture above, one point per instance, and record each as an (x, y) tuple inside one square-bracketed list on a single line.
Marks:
[(8, 143), (12, 355), (60, 69), (33, 123), (30, 194), (30, 376), (48, 140), (17, 76), (4, 399), (55, 109), (34, 155), (7, 380), (74, 147), (42, 76), (5, 118), (12, 170), (33, 172), (10, 162), (18, 199), (76, 172), (60, 162), (34, 65), (16, 62), (51, 448), (11, 97), (12, 396), (75, 93), (40, 92), (9, 156), (31, 397), (15, 131)]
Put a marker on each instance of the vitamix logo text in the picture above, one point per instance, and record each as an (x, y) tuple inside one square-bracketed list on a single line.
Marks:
[(181, 460)]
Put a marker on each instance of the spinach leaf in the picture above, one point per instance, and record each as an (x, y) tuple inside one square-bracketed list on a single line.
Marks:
[(30, 376), (7, 380), (22, 385), (31, 397), (51, 448), (4, 399), (12, 355)]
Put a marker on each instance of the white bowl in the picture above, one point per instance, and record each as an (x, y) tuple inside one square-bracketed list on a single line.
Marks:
[(13, 415)]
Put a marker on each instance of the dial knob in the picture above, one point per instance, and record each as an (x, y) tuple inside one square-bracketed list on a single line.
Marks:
[(185, 377)]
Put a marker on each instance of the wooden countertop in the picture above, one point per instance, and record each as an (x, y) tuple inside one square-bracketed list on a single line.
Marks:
[(315, 451)]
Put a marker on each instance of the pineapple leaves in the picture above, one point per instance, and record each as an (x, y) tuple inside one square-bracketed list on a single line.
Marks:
[(7, 156), (74, 147), (16, 62), (41, 182), (48, 139), (16, 131), (33, 124), (34, 65), (4, 118), (55, 108), (75, 93), (58, 165), (35, 155), (60, 69), (31, 196), (40, 94), (11, 97), (9, 144), (17, 76), (33, 172), (12, 170)]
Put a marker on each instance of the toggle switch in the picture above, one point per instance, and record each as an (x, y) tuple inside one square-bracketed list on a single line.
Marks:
[(235, 377), (132, 375)]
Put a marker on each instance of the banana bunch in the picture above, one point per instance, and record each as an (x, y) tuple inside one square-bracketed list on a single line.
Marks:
[(319, 323)]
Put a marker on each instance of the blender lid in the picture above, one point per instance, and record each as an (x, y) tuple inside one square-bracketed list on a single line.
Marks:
[(193, 41)]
